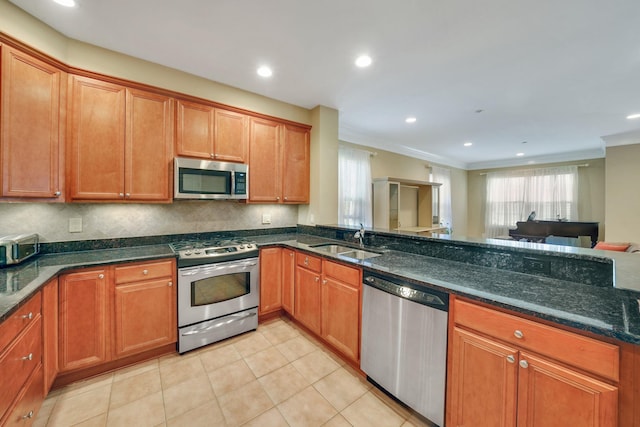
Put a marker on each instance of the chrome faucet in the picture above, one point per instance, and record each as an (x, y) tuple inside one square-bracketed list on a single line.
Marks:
[(360, 235)]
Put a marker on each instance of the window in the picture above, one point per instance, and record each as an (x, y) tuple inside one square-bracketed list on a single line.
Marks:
[(552, 193), (354, 187), (442, 176)]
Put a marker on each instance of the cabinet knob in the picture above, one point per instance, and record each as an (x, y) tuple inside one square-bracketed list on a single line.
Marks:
[(170, 284), (145, 271), (120, 194), (291, 254), (511, 359), (127, 195), (524, 364), (324, 281), (213, 156), (317, 279), (27, 416), (28, 316), (278, 198), (100, 276), (57, 194), (28, 357), (286, 198), (306, 261), (518, 334)]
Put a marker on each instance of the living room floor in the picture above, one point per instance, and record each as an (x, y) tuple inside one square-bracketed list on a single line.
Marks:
[(275, 376)]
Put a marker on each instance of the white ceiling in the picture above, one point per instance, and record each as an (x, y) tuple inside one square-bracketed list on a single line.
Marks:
[(560, 75)]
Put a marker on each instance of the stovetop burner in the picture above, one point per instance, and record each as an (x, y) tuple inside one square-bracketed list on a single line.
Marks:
[(197, 252)]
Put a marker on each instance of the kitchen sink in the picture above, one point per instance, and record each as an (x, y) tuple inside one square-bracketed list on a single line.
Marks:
[(345, 251)]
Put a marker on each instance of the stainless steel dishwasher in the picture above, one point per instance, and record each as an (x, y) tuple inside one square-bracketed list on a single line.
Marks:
[(404, 342)]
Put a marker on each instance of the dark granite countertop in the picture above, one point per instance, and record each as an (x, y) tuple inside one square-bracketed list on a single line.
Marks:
[(604, 311)]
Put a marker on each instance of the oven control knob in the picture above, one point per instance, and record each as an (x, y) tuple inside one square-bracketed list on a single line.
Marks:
[(241, 246), (187, 253), (197, 252)]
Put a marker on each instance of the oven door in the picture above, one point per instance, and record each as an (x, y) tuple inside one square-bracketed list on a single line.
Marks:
[(213, 290)]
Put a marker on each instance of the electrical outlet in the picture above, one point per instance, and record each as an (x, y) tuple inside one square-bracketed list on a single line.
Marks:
[(75, 225), (536, 265), (266, 218)]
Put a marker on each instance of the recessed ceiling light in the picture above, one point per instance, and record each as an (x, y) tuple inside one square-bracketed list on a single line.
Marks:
[(66, 3), (468, 144), (633, 116), (520, 154), (363, 61), (410, 120), (264, 71)]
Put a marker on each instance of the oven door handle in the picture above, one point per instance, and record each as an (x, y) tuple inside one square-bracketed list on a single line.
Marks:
[(210, 268), (230, 319)]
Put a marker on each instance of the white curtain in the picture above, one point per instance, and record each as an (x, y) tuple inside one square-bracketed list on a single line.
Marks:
[(552, 193), (443, 176), (354, 187)]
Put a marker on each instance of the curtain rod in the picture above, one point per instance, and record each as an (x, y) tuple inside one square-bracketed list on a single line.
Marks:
[(583, 165)]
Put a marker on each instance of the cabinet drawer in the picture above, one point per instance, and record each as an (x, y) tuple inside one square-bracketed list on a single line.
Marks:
[(343, 273), (584, 353), (148, 270), (29, 402), (25, 315), (18, 362), (309, 261)]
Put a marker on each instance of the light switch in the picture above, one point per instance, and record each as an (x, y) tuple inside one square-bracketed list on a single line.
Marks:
[(75, 225), (266, 218)]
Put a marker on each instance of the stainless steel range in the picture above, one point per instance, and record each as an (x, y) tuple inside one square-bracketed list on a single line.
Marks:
[(218, 290)]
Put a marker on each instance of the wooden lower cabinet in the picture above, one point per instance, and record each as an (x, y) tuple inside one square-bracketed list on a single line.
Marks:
[(84, 331), (307, 298), (341, 308), (288, 279), (270, 280), (145, 316), (497, 383)]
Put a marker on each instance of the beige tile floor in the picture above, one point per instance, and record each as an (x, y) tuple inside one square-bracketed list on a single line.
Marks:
[(275, 376)]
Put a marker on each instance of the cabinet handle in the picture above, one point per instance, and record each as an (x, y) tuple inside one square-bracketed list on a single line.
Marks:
[(28, 316), (145, 272), (100, 276), (511, 359), (29, 357), (518, 334), (57, 194), (524, 364), (29, 415), (170, 283)]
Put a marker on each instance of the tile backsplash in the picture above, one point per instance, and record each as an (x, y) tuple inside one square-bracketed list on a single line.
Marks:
[(102, 221)]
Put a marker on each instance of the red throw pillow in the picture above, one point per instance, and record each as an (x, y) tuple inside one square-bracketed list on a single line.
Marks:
[(606, 246)]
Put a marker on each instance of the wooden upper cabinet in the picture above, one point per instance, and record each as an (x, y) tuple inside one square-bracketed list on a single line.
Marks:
[(149, 146), (120, 143), (231, 140), (96, 140), (195, 130), (295, 165), (33, 94), (278, 162), (264, 161), (211, 133)]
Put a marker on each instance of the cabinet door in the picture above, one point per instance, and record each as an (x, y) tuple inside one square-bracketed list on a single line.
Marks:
[(84, 321), (96, 138), (295, 165), (341, 316), (482, 382), (270, 280), (31, 127), (264, 161), (231, 136), (288, 279), (307, 299), (50, 333), (149, 146), (195, 130), (145, 316), (551, 395)]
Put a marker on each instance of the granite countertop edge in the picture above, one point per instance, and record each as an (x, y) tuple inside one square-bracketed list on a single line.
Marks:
[(606, 312)]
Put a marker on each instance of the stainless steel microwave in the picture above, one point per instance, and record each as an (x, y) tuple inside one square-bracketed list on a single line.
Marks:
[(205, 179)]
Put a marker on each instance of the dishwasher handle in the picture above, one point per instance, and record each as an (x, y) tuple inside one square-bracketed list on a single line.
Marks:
[(431, 297)]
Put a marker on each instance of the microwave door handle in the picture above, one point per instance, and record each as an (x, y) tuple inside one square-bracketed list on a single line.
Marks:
[(233, 183)]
